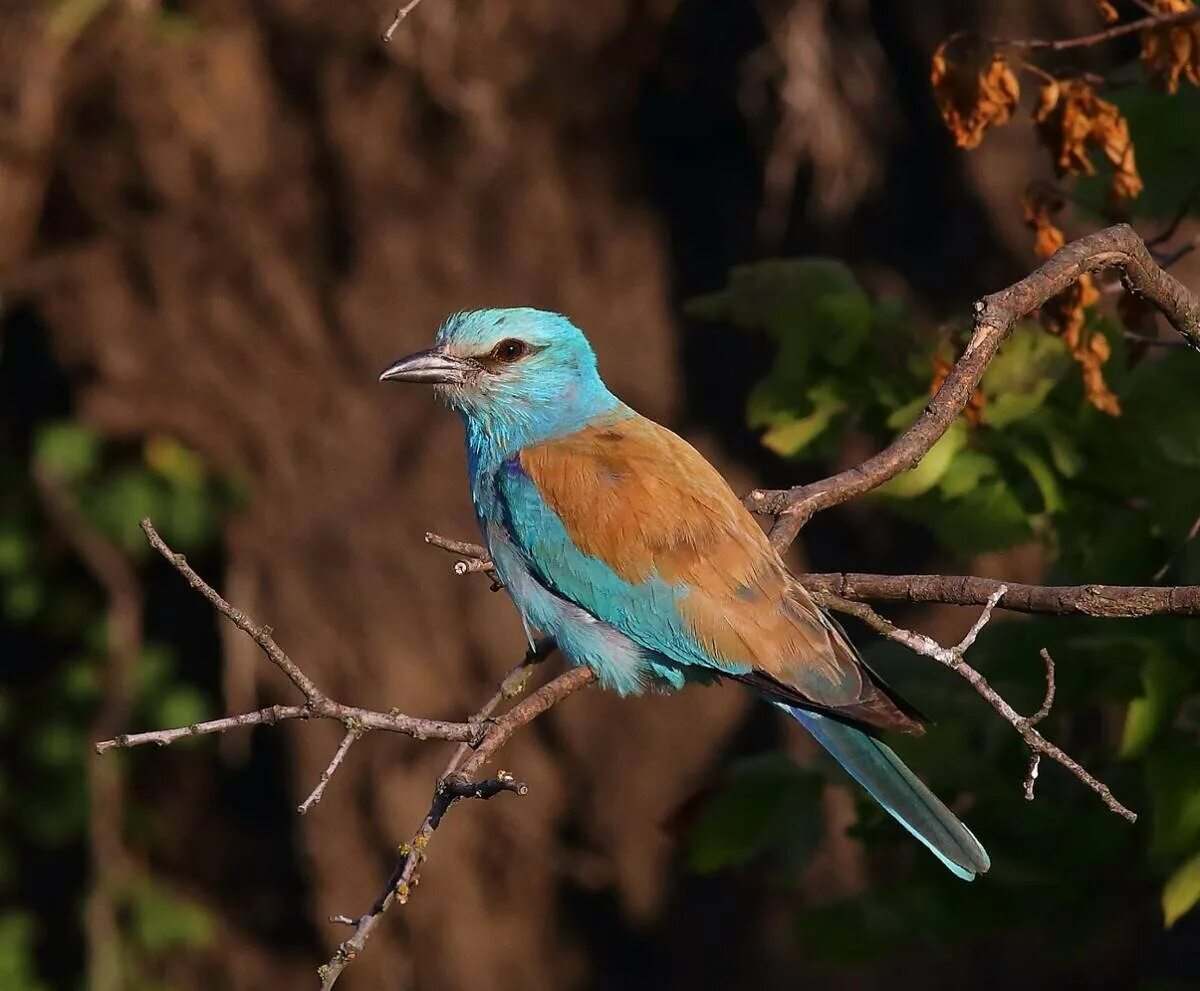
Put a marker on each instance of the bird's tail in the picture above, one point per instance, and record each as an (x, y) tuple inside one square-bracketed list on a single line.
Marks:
[(874, 766)]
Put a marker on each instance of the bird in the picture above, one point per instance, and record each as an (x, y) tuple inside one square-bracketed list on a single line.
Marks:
[(620, 542)]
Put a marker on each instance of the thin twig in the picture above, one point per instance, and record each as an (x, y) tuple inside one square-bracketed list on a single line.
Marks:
[(953, 659), (161, 737), (318, 704), (1035, 760), (995, 315), (1048, 701), (1099, 37), (339, 755), (1170, 343), (1181, 214), (401, 13), (454, 783), (261, 635), (1193, 530)]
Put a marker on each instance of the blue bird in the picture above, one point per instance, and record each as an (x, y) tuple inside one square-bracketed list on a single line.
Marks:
[(620, 541)]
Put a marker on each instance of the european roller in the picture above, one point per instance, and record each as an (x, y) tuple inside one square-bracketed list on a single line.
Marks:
[(616, 538)]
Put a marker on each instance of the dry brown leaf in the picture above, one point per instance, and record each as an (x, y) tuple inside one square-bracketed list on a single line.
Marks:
[(1172, 52), (975, 89), (973, 411), (1108, 11), (1072, 120), (1065, 315), (1040, 207), (1047, 100)]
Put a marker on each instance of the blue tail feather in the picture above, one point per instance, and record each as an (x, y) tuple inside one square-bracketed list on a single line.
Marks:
[(874, 766)]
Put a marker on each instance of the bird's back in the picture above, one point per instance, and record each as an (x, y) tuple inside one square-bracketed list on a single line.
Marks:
[(629, 522)]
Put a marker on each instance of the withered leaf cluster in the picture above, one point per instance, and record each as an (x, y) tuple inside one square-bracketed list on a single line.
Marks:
[(974, 87), (1066, 314), (1172, 52), (1072, 120)]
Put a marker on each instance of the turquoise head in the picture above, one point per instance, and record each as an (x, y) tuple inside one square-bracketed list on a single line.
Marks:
[(516, 376)]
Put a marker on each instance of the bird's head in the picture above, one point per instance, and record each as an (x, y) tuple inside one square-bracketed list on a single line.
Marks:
[(526, 374)]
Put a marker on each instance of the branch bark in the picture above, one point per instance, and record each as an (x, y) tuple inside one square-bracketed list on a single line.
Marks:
[(955, 659), (1113, 601), (995, 315)]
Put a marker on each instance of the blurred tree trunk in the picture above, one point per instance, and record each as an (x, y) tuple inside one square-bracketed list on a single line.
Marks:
[(232, 217)]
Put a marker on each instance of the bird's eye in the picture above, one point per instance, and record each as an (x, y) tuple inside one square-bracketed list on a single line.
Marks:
[(510, 350)]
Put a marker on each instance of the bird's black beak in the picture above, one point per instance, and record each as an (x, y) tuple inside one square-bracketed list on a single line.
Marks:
[(432, 367)]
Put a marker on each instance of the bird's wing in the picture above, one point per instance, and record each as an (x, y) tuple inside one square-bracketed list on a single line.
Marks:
[(628, 521)]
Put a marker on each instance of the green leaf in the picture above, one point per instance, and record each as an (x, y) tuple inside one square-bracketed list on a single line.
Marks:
[(763, 801), (966, 471), (182, 705), (1022, 375), (173, 461), (16, 550), (163, 920), (18, 968), (70, 451), (1164, 681), (778, 295), (1173, 777), (1043, 477), (1181, 892), (922, 478), (986, 518), (790, 438)]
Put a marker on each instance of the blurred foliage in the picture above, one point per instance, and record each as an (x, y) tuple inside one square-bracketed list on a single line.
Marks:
[(1107, 498), (56, 647)]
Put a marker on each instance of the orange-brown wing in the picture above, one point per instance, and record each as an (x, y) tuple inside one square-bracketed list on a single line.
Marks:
[(636, 497)]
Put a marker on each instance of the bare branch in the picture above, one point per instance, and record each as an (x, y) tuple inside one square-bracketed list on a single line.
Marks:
[(1035, 761), (1099, 37), (401, 13), (318, 704), (454, 783), (1048, 701), (474, 557), (995, 315), (261, 635), (339, 755), (952, 657), (161, 737), (1113, 601)]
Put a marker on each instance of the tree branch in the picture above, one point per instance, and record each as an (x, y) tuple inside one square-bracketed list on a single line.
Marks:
[(1113, 601), (480, 739), (995, 315), (454, 783), (339, 755), (1099, 37), (953, 658)]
